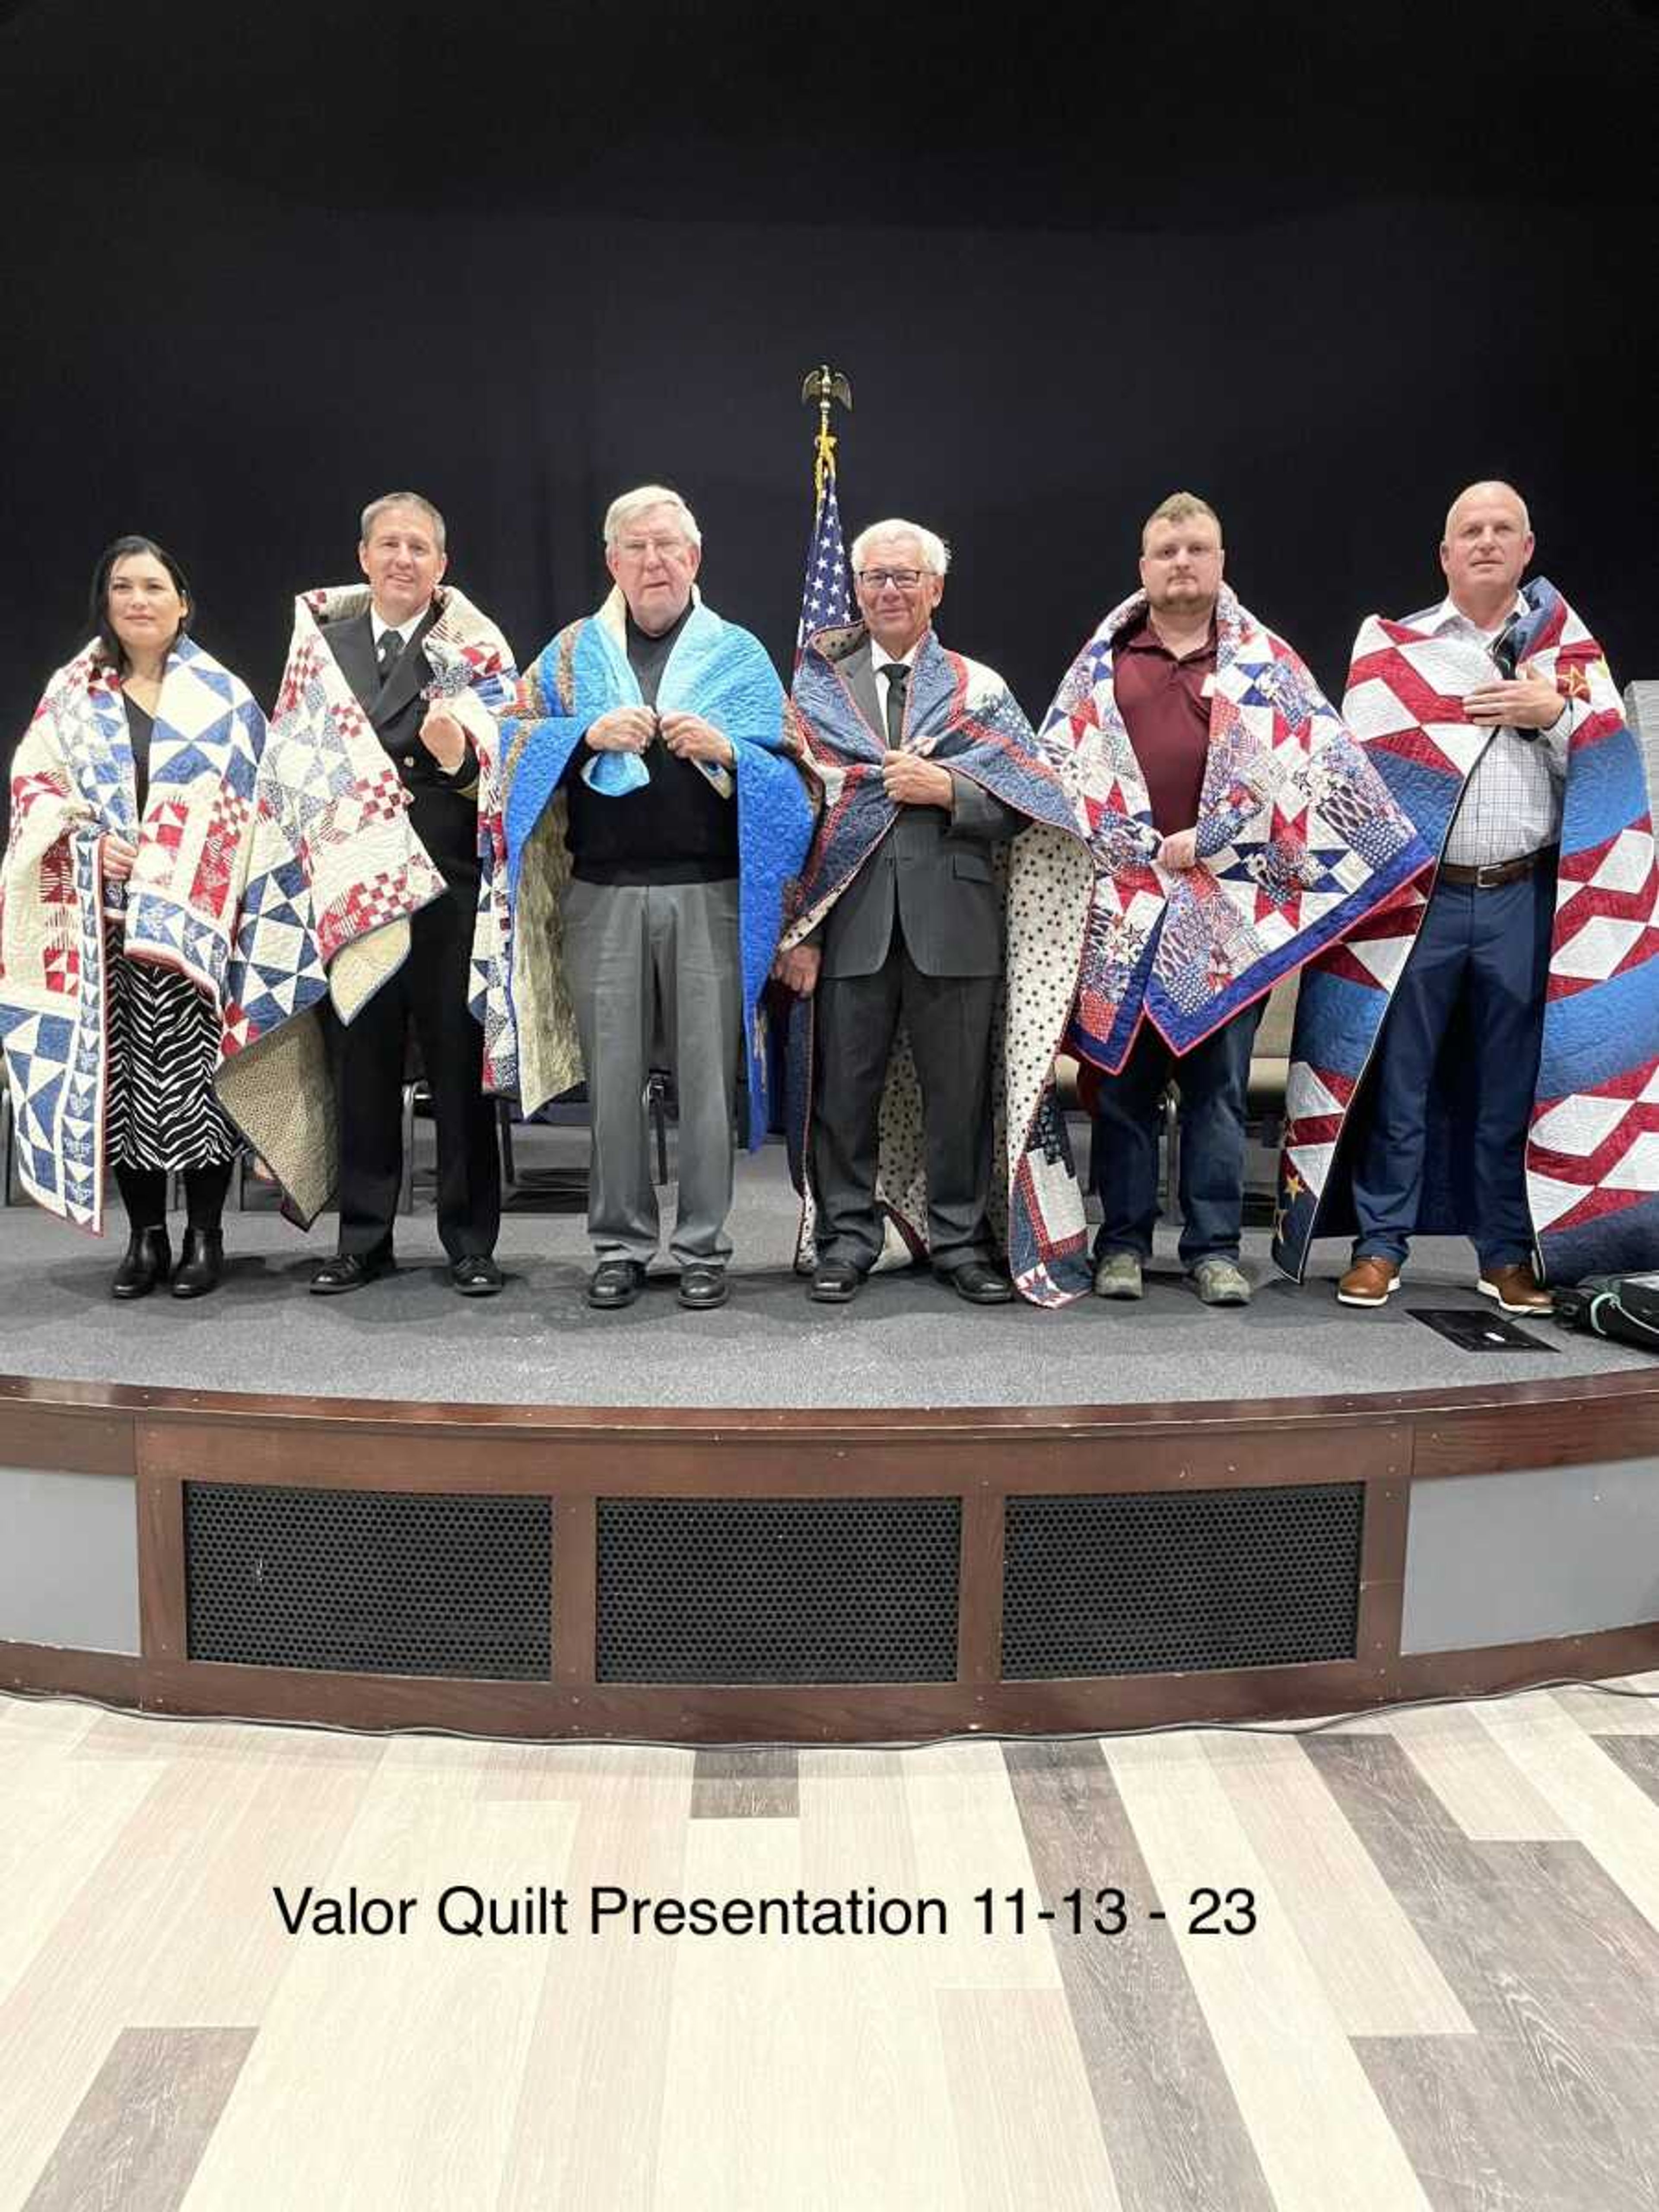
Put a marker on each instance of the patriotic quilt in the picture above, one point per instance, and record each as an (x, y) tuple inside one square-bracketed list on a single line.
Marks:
[(336, 871), (1592, 1159), (715, 670), (1298, 840), (962, 715), (61, 920)]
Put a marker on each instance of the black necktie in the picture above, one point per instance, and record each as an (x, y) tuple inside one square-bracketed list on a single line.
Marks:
[(391, 645), (898, 676)]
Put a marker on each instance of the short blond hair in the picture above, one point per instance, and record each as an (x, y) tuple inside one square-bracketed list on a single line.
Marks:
[(1179, 507)]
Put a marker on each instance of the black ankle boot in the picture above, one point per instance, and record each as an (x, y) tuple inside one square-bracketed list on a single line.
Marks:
[(200, 1264), (149, 1260)]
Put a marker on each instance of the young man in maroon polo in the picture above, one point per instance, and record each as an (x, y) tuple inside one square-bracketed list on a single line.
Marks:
[(1163, 676)]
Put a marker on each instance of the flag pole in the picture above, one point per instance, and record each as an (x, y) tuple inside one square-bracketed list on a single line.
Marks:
[(825, 600), (829, 387)]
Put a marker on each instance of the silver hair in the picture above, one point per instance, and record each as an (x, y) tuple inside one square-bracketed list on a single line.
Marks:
[(377, 507), (1488, 483), (935, 553), (621, 511)]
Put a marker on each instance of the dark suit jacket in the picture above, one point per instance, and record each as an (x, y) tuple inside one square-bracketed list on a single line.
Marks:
[(443, 808), (933, 870)]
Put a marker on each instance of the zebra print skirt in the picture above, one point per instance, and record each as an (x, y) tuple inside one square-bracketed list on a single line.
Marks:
[(163, 1048)]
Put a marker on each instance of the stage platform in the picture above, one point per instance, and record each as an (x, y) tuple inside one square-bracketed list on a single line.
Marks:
[(907, 1342), (903, 1518)]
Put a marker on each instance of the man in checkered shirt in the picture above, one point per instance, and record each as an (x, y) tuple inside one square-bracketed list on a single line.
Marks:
[(1482, 952)]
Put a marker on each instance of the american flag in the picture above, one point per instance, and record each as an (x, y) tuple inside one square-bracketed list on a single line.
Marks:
[(823, 598)]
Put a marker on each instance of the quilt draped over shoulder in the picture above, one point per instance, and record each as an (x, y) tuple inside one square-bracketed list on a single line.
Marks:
[(1298, 840), (715, 670), (1592, 1155), (72, 782), (962, 715), (336, 869)]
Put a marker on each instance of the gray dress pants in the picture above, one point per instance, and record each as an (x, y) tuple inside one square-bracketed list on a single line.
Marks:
[(654, 975)]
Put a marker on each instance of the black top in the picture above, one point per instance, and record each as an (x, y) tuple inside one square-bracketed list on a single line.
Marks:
[(648, 656), (676, 829), (140, 728)]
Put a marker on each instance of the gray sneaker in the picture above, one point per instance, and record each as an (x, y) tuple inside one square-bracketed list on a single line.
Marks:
[(1118, 1276), (1220, 1282)]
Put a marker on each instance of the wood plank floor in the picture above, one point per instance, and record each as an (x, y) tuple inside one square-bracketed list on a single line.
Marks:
[(1409, 1964)]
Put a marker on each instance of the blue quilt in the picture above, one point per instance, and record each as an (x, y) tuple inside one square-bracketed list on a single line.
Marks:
[(717, 671)]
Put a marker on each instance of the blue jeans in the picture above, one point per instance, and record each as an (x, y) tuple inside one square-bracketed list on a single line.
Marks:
[(1491, 947), (1212, 1079)]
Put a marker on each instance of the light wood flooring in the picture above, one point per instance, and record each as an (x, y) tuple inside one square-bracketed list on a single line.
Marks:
[(1449, 2000)]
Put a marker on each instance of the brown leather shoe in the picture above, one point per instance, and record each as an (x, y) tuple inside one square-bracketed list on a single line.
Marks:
[(1516, 1288), (1369, 1281)]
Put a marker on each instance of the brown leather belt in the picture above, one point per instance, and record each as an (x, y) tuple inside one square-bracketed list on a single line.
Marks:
[(1497, 872)]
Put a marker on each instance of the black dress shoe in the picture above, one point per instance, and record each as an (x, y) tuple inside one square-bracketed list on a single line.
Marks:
[(348, 1271), (978, 1282), (201, 1265), (475, 1275), (615, 1282), (702, 1284), (149, 1260), (835, 1282)]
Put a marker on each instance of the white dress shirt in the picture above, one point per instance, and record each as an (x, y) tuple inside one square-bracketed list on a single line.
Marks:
[(1511, 804), (404, 630), (879, 660)]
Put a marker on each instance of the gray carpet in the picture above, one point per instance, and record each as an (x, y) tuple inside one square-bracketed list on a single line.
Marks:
[(906, 1341)]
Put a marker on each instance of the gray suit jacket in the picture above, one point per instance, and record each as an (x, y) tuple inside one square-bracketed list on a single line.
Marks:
[(934, 872)]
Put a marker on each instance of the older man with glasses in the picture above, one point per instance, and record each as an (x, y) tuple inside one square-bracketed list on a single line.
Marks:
[(929, 766), (650, 820)]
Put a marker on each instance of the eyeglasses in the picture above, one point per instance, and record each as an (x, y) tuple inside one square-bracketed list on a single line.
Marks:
[(905, 578), (667, 548)]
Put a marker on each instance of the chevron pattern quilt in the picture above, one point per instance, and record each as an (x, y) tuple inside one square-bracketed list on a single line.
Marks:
[(1592, 1162)]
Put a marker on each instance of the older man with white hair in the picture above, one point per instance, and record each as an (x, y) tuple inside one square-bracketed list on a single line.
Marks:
[(651, 819), (929, 766)]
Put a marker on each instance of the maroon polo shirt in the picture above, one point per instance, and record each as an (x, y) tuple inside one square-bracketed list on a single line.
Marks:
[(1167, 715)]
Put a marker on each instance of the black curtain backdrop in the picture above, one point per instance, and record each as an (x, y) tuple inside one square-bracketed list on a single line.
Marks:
[(1321, 269)]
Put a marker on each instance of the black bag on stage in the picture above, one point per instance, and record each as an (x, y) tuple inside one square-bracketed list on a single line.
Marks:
[(1623, 1308)]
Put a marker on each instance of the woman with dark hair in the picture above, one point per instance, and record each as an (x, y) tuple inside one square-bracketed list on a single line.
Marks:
[(129, 806)]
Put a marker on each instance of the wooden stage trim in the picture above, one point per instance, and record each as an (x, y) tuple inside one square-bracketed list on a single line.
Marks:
[(849, 1713), (1618, 1404), (983, 1457)]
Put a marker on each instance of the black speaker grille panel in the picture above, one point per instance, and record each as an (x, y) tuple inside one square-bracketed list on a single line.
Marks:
[(370, 1582), (778, 1590), (1156, 1584)]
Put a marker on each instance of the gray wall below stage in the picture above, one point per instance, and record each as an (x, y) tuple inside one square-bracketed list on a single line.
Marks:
[(1489, 1559), (68, 1560), (1504, 1559)]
